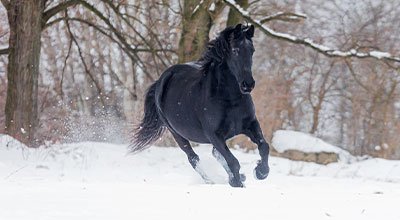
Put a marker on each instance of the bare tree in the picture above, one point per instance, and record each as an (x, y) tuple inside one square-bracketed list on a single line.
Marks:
[(23, 66), (27, 20)]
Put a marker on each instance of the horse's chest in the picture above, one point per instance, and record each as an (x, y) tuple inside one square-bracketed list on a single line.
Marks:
[(231, 119), (234, 121)]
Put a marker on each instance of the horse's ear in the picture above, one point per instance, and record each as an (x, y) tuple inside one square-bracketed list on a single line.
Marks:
[(250, 31), (238, 27), (238, 30), (234, 32)]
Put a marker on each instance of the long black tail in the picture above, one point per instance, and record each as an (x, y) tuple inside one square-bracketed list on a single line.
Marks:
[(151, 128)]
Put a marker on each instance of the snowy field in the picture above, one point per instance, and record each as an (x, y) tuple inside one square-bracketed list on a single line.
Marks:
[(100, 181)]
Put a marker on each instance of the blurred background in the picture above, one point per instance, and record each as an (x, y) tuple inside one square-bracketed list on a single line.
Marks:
[(97, 57)]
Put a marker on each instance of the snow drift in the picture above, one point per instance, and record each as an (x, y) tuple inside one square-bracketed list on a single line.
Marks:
[(101, 181)]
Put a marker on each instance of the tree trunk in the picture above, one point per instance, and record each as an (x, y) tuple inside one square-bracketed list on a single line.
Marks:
[(21, 109), (315, 121), (234, 17), (196, 25)]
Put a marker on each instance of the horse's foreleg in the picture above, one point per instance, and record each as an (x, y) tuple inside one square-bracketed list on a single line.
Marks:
[(232, 164), (222, 161), (254, 132), (193, 158)]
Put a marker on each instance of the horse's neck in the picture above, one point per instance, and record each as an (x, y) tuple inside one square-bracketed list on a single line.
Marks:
[(222, 83)]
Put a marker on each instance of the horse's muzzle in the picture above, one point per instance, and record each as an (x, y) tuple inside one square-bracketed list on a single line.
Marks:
[(247, 87)]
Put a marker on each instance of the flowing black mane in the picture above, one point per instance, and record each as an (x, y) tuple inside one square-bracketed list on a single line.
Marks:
[(217, 49)]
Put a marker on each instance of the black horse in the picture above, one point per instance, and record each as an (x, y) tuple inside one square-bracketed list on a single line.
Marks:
[(208, 101)]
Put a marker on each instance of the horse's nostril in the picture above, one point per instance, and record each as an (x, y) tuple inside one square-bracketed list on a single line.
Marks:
[(244, 84), (247, 85)]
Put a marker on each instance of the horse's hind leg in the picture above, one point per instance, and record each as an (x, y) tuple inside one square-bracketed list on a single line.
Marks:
[(192, 156)]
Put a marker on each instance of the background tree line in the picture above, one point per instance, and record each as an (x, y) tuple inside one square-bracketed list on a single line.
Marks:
[(74, 70)]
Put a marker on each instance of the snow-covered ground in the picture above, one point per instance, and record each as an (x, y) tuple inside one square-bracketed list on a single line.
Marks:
[(100, 181)]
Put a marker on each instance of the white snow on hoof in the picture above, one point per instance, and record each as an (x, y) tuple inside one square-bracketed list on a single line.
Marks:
[(207, 171), (242, 177)]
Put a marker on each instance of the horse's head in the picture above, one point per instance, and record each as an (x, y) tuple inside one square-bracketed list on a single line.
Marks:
[(240, 56)]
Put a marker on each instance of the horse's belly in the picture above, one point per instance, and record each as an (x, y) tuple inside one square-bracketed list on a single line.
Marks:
[(182, 119), (187, 127), (193, 135)]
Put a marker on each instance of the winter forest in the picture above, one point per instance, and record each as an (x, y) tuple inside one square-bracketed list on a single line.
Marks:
[(76, 71), (93, 60)]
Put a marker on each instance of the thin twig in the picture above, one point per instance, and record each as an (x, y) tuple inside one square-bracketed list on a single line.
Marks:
[(4, 51), (97, 85)]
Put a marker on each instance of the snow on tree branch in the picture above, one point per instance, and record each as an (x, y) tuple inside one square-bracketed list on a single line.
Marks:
[(380, 55), (197, 7), (284, 16)]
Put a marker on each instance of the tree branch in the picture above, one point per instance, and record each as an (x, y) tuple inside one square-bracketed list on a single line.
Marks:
[(119, 14), (122, 84), (353, 73), (52, 22), (126, 50), (56, 9), (129, 51), (284, 16), (97, 85), (327, 51), (114, 30), (119, 38), (4, 51), (65, 60)]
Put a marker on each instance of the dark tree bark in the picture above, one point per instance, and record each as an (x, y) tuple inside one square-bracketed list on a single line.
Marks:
[(196, 25), (25, 18)]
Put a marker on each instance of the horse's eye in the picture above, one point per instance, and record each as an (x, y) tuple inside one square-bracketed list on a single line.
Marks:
[(235, 51)]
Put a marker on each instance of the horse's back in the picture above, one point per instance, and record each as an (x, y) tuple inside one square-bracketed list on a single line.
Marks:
[(188, 72)]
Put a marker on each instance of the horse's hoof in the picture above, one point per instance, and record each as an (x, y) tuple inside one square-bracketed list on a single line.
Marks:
[(236, 183), (261, 171), (242, 177)]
